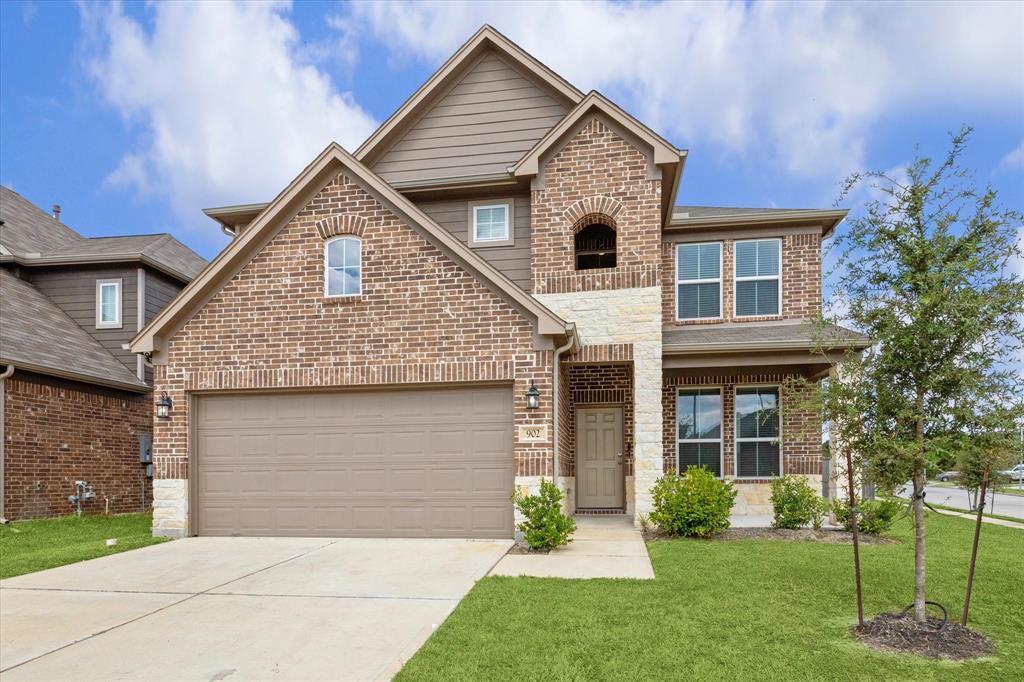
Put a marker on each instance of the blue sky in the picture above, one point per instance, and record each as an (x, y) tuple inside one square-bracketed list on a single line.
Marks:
[(135, 117)]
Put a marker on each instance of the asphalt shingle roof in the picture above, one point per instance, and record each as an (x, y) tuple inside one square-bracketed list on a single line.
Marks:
[(36, 333), (27, 229), (683, 212), (714, 336)]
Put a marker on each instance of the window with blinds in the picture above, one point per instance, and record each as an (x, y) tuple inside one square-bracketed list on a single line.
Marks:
[(758, 433), (108, 303), (758, 277), (699, 281), (699, 429)]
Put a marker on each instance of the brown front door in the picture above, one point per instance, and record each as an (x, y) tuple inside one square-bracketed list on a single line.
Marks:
[(599, 482)]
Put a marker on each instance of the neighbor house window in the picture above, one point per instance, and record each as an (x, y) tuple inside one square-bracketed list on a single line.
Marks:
[(490, 223), (343, 267), (699, 429), (108, 304), (594, 245), (758, 433), (758, 278), (699, 281)]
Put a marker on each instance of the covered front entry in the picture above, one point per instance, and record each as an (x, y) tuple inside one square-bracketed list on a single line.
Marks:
[(431, 462), (599, 458)]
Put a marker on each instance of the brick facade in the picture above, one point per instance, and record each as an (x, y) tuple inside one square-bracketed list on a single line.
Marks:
[(421, 319), (801, 281), (596, 170), (608, 384), (57, 432)]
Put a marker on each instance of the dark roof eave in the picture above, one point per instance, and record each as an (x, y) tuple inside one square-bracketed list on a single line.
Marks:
[(43, 261), (740, 347), (139, 387), (828, 218)]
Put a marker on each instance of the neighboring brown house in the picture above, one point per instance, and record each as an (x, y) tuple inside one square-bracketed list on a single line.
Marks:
[(75, 403), (496, 287)]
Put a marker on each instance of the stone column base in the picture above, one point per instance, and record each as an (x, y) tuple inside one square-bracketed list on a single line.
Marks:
[(170, 507)]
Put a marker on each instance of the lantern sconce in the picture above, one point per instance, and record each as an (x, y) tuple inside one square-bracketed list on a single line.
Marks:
[(163, 406), (532, 397)]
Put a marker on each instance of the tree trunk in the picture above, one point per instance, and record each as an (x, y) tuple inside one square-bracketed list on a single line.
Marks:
[(919, 481)]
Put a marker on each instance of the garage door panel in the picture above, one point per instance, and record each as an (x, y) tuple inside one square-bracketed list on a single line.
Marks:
[(422, 463)]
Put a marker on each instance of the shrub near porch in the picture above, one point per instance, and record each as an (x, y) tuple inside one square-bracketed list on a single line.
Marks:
[(725, 610)]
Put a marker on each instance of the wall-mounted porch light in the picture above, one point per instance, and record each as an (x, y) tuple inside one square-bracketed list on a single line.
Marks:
[(532, 397), (163, 406)]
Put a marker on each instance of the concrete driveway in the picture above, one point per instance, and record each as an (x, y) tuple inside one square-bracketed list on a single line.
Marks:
[(237, 609)]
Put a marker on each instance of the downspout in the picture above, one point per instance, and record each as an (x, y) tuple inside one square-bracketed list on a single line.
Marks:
[(6, 374), (570, 332)]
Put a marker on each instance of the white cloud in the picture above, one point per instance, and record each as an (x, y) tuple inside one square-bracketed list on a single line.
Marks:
[(799, 82), (228, 104), (1014, 160)]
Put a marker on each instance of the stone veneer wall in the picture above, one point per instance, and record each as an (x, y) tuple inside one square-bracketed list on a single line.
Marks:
[(801, 434), (421, 319), (57, 432), (633, 317)]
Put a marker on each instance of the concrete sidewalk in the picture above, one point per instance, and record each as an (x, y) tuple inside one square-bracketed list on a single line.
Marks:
[(603, 547)]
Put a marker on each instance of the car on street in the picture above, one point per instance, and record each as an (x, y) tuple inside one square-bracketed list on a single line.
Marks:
[(947, 476), (1014, 473)]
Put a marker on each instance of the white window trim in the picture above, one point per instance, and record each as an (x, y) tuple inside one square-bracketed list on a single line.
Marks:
[(759, 278), (100, 284), (721, 420), (328, 268), (719, 280), (736, 433), (508, 240)]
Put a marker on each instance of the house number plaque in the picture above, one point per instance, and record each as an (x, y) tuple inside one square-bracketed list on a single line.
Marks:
[(533, 434)]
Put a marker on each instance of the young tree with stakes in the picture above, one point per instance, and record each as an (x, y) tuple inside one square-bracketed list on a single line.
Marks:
[(927, 273)]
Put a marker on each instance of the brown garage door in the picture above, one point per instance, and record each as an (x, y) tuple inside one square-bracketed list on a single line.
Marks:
[(424, 463)]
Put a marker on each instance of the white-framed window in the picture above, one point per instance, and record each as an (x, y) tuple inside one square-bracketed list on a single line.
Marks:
[(490, 223), (699, 429), (343, 267), (758, 432), (758, 277), (699, 281), (108, 303)]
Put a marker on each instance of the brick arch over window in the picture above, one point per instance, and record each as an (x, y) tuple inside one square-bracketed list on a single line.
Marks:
[(582, 212), (341, 224)]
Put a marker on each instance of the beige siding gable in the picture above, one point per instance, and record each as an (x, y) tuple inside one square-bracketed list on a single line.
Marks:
[(484, 123)]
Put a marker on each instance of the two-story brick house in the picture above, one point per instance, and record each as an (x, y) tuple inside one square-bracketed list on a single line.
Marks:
[(75, 403), (496, 287)]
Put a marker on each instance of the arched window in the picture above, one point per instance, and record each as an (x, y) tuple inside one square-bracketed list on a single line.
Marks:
[(595, 245), (343, 268)]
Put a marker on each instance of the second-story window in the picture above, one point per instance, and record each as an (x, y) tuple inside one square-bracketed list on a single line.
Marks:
[(699, 281), (108, 303), (490, 223), (595, 247), (343, 268), (758, 277)]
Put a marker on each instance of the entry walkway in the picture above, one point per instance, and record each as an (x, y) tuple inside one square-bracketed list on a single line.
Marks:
[(603, 547)]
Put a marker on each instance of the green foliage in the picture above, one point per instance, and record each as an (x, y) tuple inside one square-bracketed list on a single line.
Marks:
[(873, 516), (796, 504), (695, 504), (545, 527)]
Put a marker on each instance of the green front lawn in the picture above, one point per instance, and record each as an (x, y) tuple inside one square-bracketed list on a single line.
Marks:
[(750, 609), (29, 546)]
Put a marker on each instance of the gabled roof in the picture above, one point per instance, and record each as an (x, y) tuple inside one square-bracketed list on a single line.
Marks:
[(32, 238), (486, 38), (330, 162), (27, 228), (38, 336)]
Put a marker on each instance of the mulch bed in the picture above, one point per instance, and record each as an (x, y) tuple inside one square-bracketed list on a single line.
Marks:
[(520, 547), (901, 633), (824, 536)]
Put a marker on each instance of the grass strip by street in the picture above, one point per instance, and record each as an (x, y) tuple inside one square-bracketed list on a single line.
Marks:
[(29, 546), (742, 609), (975, 512)]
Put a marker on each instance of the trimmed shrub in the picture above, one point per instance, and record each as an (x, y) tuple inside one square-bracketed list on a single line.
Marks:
[(545, 527), (695, 504), (796, 504), (873, 516)]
